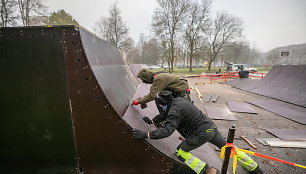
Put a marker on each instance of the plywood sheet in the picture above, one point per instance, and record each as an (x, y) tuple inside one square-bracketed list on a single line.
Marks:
[(289, 134), (292, 112), (219, 113), (241, 107), (281, 143), (263, 141)]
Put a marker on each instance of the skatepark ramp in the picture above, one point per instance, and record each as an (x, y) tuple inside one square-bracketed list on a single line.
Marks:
[(283, 82), (65, 108)]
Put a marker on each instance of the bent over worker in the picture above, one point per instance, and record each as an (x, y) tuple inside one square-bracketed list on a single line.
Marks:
[(162, 81), (197, 129)]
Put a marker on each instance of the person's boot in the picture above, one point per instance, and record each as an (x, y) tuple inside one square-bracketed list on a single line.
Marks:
[(211, 170), (257, 171)]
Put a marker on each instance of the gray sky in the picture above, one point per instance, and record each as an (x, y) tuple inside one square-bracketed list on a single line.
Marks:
[(267, 23)]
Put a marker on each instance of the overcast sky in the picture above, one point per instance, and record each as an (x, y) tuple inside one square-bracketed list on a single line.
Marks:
[(267, 23)]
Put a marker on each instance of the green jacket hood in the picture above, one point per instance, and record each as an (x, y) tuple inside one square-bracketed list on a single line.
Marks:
[(147, 75)]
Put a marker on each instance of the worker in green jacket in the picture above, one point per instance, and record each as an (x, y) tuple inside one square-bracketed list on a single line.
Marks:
[(162, 81)]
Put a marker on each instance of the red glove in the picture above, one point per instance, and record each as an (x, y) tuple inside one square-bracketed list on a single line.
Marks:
[(135, 102)]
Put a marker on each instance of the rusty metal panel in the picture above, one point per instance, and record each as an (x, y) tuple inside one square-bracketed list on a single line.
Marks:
[(135, 69), (36, 131), (289, 134), (119, 85), (98, 51), (168, 145), (218, 112), (292, 112), (100, 132), (241, 107), (104, 141)]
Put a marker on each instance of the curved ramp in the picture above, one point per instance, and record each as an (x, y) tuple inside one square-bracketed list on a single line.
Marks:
[(283, 82), (65, 108)]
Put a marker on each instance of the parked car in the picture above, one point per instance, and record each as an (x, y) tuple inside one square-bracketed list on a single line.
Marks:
[(237, 67), (154, 67), (166, 67)]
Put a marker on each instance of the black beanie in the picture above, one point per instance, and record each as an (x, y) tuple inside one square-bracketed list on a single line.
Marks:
[(164, 97)]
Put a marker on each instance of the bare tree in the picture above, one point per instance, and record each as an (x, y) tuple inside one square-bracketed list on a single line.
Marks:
[(224, 29), (8, 15), (196, 24), (273, 57), (134, 54), (113, 29), (168, 19), (150, 50), (28, 8), (234, 52)]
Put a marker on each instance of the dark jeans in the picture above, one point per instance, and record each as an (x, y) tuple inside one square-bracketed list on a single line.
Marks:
[(201, 138)]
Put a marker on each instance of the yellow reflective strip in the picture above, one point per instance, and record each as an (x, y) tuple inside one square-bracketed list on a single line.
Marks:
[(199, 167), (247, 162), (193, 162), (250, 165), (209, 130), (183, 154), (190, 161)]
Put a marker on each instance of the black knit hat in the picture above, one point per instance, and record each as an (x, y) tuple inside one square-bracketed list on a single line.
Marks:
[(164, 97)]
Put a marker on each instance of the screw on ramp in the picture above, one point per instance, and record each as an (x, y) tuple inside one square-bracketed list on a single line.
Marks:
[(65, 108)]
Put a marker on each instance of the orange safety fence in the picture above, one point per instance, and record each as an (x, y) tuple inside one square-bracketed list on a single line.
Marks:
[(230, 75), (234, 154)]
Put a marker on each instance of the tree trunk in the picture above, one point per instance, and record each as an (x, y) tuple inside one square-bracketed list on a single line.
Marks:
[(211, 59), (190, 61), (209, 65), (172, 53)]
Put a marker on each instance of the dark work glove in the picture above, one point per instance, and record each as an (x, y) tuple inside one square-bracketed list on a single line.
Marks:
[(138, 134), (143, 106), (147, 120)]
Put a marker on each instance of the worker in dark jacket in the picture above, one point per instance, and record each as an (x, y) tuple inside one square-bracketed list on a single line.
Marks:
[(181, 115), (162, 81)]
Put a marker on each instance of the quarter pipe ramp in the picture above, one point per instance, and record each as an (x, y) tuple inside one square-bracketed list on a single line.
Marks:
[(283, 82), (65, 108)]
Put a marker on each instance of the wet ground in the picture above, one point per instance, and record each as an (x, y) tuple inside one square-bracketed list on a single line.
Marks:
[(252, 126)]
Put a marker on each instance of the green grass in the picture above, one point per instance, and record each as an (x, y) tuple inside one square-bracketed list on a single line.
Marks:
[(204, 70)]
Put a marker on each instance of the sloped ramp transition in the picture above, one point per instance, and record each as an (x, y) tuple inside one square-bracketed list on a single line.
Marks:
[(65, 108), (283, 82)]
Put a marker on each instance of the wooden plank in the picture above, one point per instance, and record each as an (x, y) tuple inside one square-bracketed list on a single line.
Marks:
[(199, 94), (208, 98), (215, 98)]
